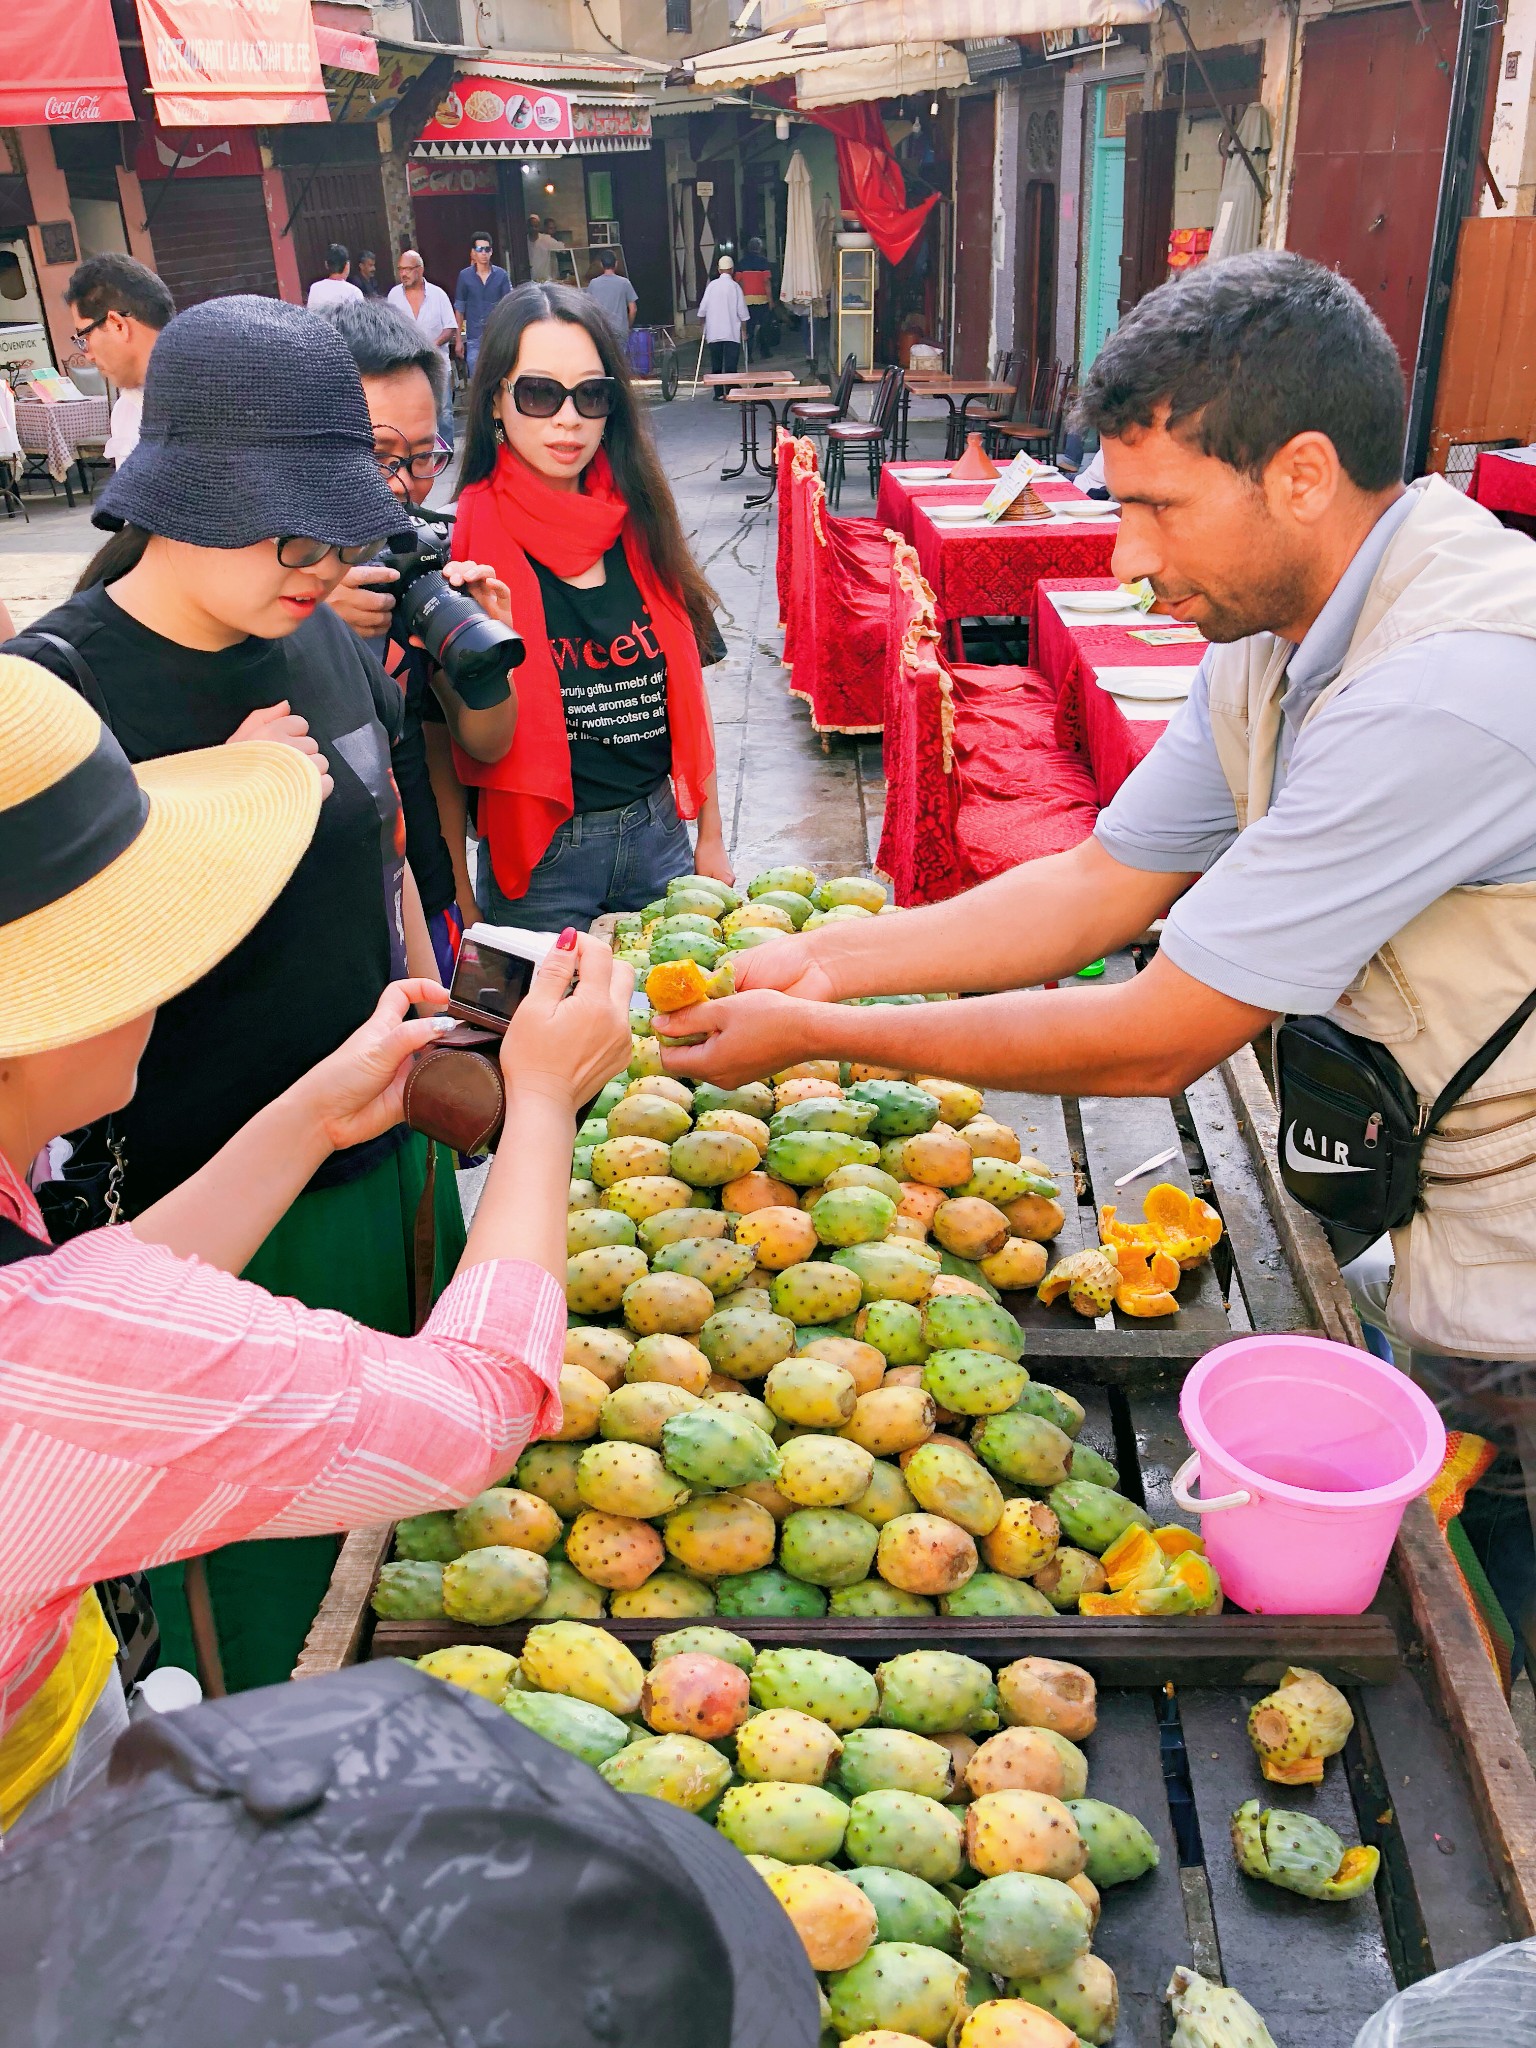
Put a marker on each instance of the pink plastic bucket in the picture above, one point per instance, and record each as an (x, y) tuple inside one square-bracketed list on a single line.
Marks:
[(1307, 1452)]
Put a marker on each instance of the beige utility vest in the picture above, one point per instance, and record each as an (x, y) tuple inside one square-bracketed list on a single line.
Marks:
[(1465, 1281)]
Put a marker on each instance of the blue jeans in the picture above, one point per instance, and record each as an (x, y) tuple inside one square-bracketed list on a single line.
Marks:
[(597, 861)]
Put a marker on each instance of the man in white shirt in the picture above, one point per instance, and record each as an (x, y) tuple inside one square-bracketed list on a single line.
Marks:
[(333, 289), (543, 247), (723, 310), (120, 306), (430, 310)]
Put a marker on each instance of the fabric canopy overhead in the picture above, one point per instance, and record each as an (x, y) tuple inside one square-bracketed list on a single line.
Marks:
[(826, 77), (342, 50), (870, 181), (61, 64), (232, 63), (857, 24)]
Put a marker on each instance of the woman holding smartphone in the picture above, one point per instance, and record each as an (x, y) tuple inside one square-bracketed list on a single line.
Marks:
[(564, 497), (154, 1405)]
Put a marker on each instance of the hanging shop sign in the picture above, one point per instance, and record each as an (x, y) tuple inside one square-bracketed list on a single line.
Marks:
[(61, 64), (451, 181), (490, 117), (232, 63), (1056, 43), (183, 153)]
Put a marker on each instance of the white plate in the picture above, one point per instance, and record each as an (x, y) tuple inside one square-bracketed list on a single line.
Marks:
[(1092, 601), (1095, 508), (962, 515), (1148, 685)]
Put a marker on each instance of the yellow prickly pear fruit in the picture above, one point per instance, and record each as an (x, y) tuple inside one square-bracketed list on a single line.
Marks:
[(970, 1227), (502, 1514), (647, 1116), (1027, 1831), (671, 1088), (786, 1747), (1039, 1692), (549, 1470), (665, 1596), (823, 1471), (582, 1395), (637, 1413), (670, 1359), (885, 1497), (602, 1352), (494, 1584), (722, 1535), (627, 1479), (810, 1393), (988, 1139), (668, 1303), (891, 1420), (1011, 2023), (957, 1103), (583, 1662), (1028, 1760), (1298, 1726), (474, 1666), (1088, 1892), (948, 1481), (925, 1554), (1038, 1217), (1020, 1263), (1022, 1540), (617, 1551), (939, 1158), (1133, 1560), (646, 1194), (777, 1237), (862, 1362), (836, 1923), (619, 1159), (739, 1124), (756, 1191)]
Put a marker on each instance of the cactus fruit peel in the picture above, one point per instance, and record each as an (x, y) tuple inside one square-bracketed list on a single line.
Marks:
[(1300, 1853), (1210, 2015), (1304, 1721)]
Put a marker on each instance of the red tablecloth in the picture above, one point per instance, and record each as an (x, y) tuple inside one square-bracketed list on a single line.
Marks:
[(977, 572), (1022, 795), (898, 496), (1503, 485)]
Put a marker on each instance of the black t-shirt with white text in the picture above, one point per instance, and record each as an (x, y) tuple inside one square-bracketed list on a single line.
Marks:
[(613, 684)]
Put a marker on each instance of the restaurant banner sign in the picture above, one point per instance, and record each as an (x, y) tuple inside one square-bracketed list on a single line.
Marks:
[(491, 117), (232, 63)]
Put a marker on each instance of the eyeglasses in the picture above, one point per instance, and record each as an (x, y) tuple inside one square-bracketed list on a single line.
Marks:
[(540, 398), (82, 335), (298, 551), (424, 465)]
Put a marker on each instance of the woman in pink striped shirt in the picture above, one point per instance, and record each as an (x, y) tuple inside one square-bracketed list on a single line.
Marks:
[(152, 1405)]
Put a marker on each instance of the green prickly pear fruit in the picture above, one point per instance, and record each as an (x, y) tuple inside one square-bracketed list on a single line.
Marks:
[(770, 1592), (647, 1194), (709, 1447), (671, 1226), (1068, 1575), (934, 1691), (815, 1293), (894, 1760), (926, 1554), (1024, 1448), (504, 1514), (901, 1988), (796, 1823), (873, 1599), (795, 906), (664, 1596), (676, 945), (777, 1237), (1092, 1516), (584, 1194), (428, 1539), (1087, 1463), (805, 1158), (810, 1393), (476, 1667), (678, 1768), (745, 1406), (831, 1688), (852, 1216), (862, 891), (821, 1113), (667, 1302), (721, 1266), (588, 1732), (992, 1593), (905, 1831), (895, 1328), (549, 1470), (744, 1343), (621, 1478), (708, 1159), (948, 1481), (692, 896), (1212, 2015), (638, 1412), (799, 881), (901, 1110), (827, 1546), (619, 1159), (721, 1536), (962, 1322), (570, 1596), (973, 1382), (494, 1585), (595, 1281), (611, 1095), (587, 1230), (754, 1098), (885, 1497), (584, 1663), (1020, 1925), (1015, 1829), (892, 1271), (865, 1177), (908, 1908), (705, 1642), (1023, 1540), (824, 1472), (786, 1747), (1119, 1848)]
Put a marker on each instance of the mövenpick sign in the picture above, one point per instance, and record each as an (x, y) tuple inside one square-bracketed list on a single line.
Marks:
[(232, 63)]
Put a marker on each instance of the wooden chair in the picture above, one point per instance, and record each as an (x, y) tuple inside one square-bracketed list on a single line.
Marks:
[(872, 435), (815, 415), (978, 412), (1040, 433)]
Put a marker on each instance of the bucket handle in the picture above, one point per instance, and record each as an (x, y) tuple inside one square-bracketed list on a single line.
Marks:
[(1186, 1476)]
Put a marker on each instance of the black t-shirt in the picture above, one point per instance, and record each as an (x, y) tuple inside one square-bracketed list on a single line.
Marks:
[(613, 683), (425, 847), (313, 967)]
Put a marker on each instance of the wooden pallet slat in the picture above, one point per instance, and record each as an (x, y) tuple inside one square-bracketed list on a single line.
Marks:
[(1119, 1132)]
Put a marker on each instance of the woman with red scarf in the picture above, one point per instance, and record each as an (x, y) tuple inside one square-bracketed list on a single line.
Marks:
[(614, 747)]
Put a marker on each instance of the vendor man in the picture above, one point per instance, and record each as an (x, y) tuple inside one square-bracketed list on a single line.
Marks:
[(1341, 820)]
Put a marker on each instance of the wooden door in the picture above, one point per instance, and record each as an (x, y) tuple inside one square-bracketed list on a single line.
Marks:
[(640, 197), (1035, 319), (1370, 135), (343, 203), (1151, 141), (975, 149), (446, 224), (1104, 226)]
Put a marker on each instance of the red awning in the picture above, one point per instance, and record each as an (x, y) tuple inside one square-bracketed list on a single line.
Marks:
[(342, 50), (232, 63), (61, 64)]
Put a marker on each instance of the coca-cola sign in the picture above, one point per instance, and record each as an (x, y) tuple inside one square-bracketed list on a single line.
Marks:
[(60, 65), (80, 106)]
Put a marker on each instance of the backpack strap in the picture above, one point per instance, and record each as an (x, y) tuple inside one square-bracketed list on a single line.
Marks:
[(79, 668)]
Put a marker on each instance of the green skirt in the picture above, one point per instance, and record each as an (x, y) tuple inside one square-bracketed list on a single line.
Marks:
[(347, 1248)]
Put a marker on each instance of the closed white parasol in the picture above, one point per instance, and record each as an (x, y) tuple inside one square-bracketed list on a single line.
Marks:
[(800, 284)]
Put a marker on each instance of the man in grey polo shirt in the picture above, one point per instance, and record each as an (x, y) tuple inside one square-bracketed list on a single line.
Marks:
[(1342, 818)]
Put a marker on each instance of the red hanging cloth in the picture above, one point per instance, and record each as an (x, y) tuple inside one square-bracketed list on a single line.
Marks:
[(869, 178)]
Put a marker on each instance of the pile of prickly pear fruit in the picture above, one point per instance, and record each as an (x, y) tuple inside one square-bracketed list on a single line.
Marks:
[(925, 1826)]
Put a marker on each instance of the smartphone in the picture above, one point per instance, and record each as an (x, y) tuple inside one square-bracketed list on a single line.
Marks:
[(494, 972)]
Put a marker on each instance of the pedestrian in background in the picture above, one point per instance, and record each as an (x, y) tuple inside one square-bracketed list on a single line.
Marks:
[(615, 295), (543, 247), (122, 306), (333, 289), (723, 309), (757, 288), (482, 285), (367, 276), (430, 311)]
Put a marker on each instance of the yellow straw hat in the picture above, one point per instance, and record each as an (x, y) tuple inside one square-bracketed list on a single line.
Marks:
[(119, 887)]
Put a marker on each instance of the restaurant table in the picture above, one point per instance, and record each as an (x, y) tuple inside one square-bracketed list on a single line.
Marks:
[(1506, 484), (747, 400), (1084, 654), (978, 570), (949, 389), (53, 435), (901, 483)]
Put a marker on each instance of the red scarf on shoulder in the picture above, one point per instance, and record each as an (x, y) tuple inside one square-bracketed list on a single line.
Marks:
[(526, 796)]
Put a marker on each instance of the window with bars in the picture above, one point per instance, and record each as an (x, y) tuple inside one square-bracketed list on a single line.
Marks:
[(680, 17)]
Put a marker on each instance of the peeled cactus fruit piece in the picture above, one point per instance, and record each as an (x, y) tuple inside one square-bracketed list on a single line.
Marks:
[(1021, 1925), (777, 1237), (925, 1554), (1083, 1995), (901, 1987), (1039, 1692), (428, 1539), (1023, 1539), (992, 1593), (827, 1546), (678, 1768), (586, 1731), (768, 1592), (894, 1760), (1016, 1829), (476, 1667), (835, 1922), (1300, 1854), (1119, 1848), (1304, 1721), (960, 1322), (1024, 1448), (795, 1823), (824, 1472), (746, 1343), (833, 1689), (786, 1747), (1092, 1516), (1210, 2015), (908, 1908), (973, 1382), (627, 1479), (933, 1692), (721, 1535)]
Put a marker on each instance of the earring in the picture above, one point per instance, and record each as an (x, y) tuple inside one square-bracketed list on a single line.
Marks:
[(500, 432)]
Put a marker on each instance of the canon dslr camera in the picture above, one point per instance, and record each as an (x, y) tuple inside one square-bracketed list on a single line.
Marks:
[(460, 635)]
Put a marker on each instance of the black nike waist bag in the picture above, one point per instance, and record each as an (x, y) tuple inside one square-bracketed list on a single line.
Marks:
[(1352, 1127)]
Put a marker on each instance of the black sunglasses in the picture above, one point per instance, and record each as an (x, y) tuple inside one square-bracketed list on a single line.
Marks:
[(540, 398), (298, 551), (424, 465)]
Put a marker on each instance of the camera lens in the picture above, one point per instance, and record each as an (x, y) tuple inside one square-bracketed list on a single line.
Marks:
[(467, 644)]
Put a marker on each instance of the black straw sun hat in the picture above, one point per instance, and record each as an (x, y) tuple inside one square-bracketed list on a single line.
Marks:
[(255, 425), (375, 1856)]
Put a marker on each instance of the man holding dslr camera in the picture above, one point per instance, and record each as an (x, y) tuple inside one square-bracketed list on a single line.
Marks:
[(396, 602)]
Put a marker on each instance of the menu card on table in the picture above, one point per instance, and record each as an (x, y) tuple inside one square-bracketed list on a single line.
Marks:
[(1016, 478)]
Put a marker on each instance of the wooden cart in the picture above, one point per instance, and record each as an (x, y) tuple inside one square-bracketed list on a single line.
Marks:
[(1434, 1774)]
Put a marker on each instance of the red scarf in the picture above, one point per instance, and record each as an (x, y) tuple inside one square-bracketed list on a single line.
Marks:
[(526, 796)]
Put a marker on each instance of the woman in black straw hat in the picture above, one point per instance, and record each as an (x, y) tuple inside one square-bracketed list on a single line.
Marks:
[(252, 490), (153, 1405)]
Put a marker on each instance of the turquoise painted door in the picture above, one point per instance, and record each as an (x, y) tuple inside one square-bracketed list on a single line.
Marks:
[(1100, 300)]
